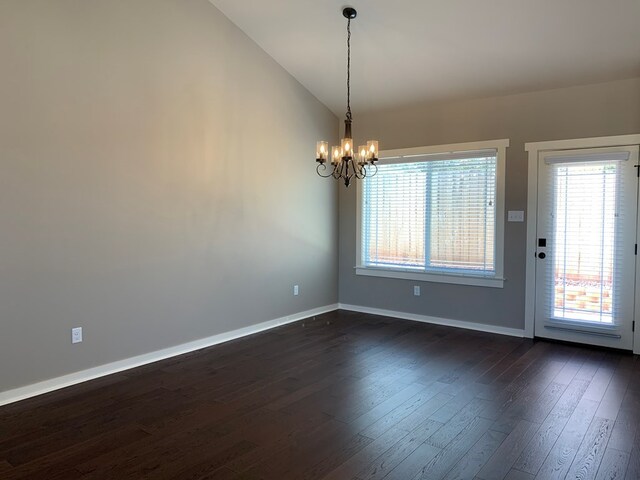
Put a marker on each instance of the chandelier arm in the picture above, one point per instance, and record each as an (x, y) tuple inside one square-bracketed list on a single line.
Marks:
[(337, 171), (354, 169), (347, 178), (346, 175), (360, 173), (324, 167)]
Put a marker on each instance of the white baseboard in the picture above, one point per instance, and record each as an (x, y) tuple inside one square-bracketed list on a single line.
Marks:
[(21, 393), (481, 327)]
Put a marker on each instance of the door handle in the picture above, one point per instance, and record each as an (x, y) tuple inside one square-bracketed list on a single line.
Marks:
[(542, 255)]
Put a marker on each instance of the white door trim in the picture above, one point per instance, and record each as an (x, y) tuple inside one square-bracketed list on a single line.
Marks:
[(534, 148)]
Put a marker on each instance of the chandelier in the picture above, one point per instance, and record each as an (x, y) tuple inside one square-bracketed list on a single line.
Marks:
[(345, 162)]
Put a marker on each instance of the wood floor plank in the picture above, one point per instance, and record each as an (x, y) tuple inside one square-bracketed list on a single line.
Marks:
[(411, 465), (612, 399), (408, 415), (5, 468), (395, 455), (510, 400), (66, 436), (613, 465), (472, 376), (545, 438), (408, 396), (458, 423), (561, 455), (518, 475), (589, 455), (223, 473), (503, 459), (367, 456), (633, 467), (538, 408), (302, 460), (590, 365), (495, 372), (455, 405), (477, 456), (69, 457), (571, 368), (624, 431), (457, 448), (279, 443), (194, 463), (530, 404)]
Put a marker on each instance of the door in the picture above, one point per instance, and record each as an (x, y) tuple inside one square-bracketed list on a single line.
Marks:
[(586, 246)]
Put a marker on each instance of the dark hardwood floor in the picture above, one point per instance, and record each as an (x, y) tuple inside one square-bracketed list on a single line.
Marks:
[(364, 397)]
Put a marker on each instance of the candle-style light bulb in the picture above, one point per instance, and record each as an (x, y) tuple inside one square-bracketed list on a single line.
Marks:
[(372, 150), (322, 150), (336, 155), (362, 154), (347, 147)]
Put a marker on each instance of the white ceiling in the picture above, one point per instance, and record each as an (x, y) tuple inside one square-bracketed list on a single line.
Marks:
[(406, 51)]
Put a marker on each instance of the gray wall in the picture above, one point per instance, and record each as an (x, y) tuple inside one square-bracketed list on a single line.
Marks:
[(157, 183), (596, 110)]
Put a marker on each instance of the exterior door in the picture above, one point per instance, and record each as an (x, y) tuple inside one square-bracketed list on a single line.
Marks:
[(586, 245)]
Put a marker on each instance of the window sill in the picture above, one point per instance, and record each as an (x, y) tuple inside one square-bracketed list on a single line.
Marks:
[(478, 281)]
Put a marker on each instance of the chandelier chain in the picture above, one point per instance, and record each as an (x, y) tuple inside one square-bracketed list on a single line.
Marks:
[(349, 69)]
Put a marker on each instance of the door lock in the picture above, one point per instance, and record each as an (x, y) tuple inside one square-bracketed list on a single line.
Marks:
[(542, 255)]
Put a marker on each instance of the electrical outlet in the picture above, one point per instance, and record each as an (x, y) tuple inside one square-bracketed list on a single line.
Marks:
[(76, 335), (416, 290), (296, 290)]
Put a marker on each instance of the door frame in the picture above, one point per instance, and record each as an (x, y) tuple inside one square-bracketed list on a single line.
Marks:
[(534, 149)]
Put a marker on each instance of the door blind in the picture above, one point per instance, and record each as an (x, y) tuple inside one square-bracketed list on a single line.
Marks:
[(586, 249)]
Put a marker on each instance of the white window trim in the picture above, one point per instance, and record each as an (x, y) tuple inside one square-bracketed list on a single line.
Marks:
[(404, 154)]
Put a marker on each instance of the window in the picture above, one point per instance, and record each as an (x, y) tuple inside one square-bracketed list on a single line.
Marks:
[(435, 214), (587, 238)]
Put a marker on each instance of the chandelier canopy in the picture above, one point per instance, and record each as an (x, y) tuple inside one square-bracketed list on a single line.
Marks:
[(346, 162)]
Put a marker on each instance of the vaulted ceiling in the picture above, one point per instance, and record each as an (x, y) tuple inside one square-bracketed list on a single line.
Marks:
[(407, 51)]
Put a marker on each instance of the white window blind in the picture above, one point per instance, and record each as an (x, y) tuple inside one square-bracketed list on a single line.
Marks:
[(434, 214), (586, 246)]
